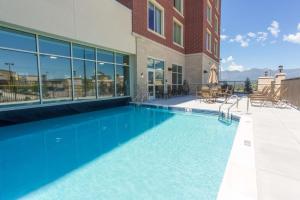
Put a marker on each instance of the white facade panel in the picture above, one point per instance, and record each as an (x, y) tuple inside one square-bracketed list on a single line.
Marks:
[(104, 23)]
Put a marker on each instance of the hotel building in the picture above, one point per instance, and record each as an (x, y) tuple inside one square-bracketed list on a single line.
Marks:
[(74, 51)]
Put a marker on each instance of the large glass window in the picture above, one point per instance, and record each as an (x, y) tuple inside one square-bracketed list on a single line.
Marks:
[(155, 18), (105, 56), (17, 40), (177, 33), (56, 78), (24, 70), (122, 80), (122, 59), (83, 52), (178, 4), (84, 79), (106, 79), (18, 77), (53, 46)]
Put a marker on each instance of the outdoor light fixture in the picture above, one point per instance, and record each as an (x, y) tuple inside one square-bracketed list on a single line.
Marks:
[(142, 75), (280, 68)]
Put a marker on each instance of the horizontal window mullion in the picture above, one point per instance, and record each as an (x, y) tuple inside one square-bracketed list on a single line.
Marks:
[(19, 50)]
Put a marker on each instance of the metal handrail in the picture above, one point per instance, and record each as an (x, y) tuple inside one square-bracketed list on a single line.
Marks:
[(226, 101), (230, 107), (235, 103)]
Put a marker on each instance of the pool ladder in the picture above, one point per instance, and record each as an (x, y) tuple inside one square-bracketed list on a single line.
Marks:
[(226, 116)]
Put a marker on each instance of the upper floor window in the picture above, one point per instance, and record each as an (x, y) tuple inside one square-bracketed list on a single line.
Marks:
[(177, 33), (178, 4), (208, 41), (209, 12), (155, 18), (216, 24), (216, 49)]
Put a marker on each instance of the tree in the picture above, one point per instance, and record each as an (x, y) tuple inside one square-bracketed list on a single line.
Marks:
[(248, 86)]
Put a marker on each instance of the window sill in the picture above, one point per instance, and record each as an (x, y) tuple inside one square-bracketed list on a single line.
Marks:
[(157, 34), (178, 45), (180, 13)]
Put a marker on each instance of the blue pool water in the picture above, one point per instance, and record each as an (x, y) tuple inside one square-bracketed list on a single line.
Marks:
[(121, 153)]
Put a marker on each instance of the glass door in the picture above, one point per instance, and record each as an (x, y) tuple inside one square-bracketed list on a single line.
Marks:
[(151, 84)]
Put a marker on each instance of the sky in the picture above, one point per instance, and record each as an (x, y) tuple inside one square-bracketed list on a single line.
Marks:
[(260, 34)]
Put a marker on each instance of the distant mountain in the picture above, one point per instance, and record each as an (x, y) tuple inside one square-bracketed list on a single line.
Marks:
[(254, 73)]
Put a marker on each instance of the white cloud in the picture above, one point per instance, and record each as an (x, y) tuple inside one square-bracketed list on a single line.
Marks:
[(273, 42), (274, 28), (235, 67), (251, 35), (293, 38), (244, 42), (229, 59), (261, 36), (229, 64), (224, 37)]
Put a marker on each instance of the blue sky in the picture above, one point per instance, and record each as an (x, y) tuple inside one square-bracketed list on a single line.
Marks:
[(260, 34)]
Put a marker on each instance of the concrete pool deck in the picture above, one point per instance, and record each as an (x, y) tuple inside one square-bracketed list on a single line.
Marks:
[(272, 137)]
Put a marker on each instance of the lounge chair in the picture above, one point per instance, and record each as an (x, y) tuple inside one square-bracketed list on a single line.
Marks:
[(275, 98)]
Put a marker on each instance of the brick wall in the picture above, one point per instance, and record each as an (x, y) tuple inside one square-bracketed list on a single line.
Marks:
[(194, 23)]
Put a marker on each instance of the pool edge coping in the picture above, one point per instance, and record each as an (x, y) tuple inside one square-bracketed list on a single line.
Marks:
[(239, 179)]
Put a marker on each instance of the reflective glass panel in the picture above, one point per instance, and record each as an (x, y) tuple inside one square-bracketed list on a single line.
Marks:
[(159, 64), (106, 79), (53, 46), (122, 59), (83, 52), (84, 79), (18, 77), (150, 63), (17, 39), (122, 80), (56, 78), (151, 16), (105, 56)]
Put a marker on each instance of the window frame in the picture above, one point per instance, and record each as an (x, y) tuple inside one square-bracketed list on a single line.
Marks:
[(176, 21), (216, 27), (208, 46), (209, 17), (216, 48), (161, 8), (182, 8)]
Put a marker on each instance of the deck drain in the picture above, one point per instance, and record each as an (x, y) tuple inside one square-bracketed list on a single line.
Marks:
[(247, 143)]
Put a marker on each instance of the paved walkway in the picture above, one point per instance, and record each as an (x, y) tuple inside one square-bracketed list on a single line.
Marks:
[(276, 135)]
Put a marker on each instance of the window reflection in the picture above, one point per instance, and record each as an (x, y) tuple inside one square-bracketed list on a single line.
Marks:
[(105, 56), (84, 79), (17, 39), (106, 78), (53, 46), (18, 77), (56, 78), (122, 59), (122, 80), (83, 52)]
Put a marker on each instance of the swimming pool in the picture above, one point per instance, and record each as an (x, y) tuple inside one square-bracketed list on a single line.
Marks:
[(121, 153)]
